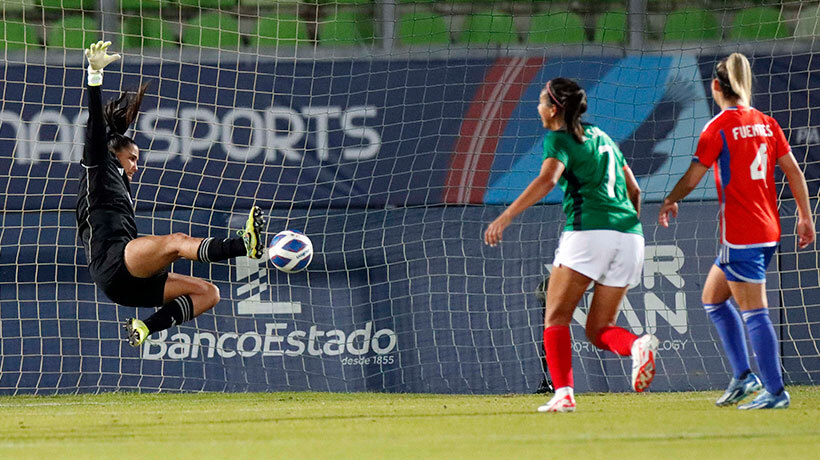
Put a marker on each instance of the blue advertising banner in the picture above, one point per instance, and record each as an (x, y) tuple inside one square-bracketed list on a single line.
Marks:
[(396, 300), (363, 134), (314, 134)]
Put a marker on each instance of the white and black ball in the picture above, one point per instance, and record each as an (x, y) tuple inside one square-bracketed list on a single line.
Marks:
[(290, 251)]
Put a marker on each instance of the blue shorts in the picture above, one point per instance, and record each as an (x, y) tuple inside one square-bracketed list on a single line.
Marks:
[(746, 265)]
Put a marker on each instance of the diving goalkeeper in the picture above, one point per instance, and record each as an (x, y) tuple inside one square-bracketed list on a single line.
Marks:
[(132, 270)]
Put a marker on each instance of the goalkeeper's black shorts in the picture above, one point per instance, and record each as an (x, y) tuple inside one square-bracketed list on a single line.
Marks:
[(112, 277)]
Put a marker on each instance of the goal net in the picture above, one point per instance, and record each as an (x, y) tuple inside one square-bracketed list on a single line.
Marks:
[(391, 133)]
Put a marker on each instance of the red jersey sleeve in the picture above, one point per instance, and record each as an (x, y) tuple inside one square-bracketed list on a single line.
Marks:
[(709, 146), (782, 146)]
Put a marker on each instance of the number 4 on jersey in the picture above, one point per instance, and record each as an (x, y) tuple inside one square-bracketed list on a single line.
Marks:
[(758, 167)]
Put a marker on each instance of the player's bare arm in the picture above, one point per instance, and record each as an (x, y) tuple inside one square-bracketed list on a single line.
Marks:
[(551, 170), (633, 189), (691, 178)]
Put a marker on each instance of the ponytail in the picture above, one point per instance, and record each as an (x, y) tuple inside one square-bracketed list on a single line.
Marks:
[(568, 96), (734, 73), (119, 114)]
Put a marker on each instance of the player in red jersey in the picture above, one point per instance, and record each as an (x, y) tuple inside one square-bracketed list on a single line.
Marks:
[(743, 144)]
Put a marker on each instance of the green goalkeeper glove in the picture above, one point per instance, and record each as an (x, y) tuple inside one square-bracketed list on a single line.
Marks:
[(98, 58)]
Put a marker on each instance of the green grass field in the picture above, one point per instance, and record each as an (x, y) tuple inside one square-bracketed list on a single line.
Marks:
[(393, 426)]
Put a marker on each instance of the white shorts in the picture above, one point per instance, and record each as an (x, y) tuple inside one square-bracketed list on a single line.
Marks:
[(608, 257)]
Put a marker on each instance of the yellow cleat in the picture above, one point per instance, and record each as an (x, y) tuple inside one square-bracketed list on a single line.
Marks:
[(137, 331), (251, 235)]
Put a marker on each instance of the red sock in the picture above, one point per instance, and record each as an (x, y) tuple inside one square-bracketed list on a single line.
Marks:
[(558, 346), (616, 339)]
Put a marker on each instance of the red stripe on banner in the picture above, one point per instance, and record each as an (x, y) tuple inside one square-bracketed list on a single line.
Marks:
[(483, 126), (471, 126)]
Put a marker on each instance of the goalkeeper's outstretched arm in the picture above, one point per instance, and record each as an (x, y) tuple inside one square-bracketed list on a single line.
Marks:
[(95, 151)]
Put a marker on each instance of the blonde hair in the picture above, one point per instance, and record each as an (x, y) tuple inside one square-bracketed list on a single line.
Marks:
[(735, 76)]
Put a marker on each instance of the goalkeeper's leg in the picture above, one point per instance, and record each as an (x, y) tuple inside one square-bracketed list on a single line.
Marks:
[(186, 298), (148, 255)]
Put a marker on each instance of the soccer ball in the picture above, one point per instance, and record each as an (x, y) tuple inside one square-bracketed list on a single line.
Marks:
[(290, 251)]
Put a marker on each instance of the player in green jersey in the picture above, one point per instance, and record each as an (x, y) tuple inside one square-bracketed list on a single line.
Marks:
[(602, 242)]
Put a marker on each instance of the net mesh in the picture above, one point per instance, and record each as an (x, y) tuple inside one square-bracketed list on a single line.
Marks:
[(391, 134)]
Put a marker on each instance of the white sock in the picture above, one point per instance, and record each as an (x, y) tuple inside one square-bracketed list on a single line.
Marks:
[(564, 391)]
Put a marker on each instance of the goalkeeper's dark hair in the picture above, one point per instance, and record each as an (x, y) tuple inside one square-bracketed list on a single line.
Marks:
[(119, 114), (568, 96)]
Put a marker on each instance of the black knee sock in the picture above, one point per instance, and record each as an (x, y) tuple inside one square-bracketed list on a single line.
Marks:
[(213, 250), (171, 314)]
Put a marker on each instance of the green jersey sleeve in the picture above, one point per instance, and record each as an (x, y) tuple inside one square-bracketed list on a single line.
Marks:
[(554, 149)]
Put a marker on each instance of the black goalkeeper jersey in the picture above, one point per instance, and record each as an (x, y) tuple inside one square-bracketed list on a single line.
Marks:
[(105, 211)]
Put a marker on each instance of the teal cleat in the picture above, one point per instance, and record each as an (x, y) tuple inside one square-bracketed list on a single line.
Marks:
[(137, 331), (739, 389), (252, 233), (766, 400)]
